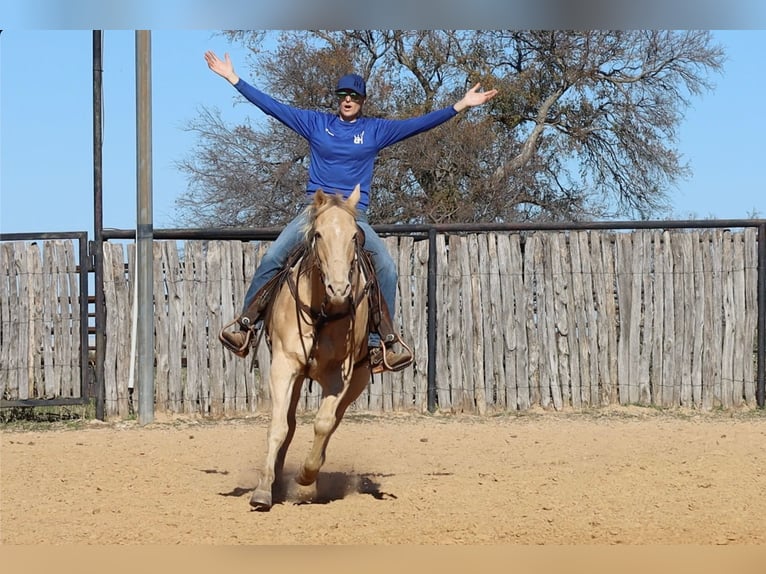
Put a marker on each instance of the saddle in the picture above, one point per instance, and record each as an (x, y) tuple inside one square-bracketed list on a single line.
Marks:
[(251, 322)]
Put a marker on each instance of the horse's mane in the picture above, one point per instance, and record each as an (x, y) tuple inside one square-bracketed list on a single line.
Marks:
[(322, 203)]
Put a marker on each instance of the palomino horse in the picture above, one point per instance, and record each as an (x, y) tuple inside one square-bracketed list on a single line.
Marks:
[(317, 329)]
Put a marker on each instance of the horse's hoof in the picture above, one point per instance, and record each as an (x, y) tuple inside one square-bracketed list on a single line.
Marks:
[(261, 500), (305, 494)]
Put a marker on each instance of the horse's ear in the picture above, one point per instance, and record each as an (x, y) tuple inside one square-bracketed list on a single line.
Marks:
[(353, 199), (319, 197)]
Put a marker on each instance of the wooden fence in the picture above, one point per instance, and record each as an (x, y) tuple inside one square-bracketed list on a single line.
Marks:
[(39, 320), (551, 319)]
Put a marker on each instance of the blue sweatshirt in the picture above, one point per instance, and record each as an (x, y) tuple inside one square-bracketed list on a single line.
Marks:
[(342, 154)]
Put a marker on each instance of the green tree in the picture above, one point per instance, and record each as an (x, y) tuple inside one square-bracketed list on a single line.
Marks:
[(584, 125)]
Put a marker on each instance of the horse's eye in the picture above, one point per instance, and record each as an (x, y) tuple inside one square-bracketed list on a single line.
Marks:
[(317, 236)]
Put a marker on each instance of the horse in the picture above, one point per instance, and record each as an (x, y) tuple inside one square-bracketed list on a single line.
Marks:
[(317, 328)]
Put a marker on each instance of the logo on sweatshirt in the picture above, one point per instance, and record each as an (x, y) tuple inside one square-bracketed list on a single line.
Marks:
[(359, 138)]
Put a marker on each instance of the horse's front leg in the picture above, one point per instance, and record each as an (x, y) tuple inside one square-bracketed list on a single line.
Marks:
[(291, 424), (285, 384), (335, 400)]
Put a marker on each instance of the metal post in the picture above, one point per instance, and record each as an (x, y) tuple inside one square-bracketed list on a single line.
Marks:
[(144, 231), (431, 298)]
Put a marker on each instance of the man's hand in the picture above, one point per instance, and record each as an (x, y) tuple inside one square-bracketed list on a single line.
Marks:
[(223, 68), (474, 97)]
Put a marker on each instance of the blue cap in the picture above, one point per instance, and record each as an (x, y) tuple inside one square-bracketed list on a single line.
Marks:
[(353, 82)]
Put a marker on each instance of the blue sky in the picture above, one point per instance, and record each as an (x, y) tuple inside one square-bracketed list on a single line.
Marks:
[(46, 140)]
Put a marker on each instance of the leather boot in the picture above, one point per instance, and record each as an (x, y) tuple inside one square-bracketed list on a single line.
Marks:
[(238, 342), (394, 361)]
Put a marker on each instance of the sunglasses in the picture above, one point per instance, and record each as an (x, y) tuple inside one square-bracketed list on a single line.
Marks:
[(353, 95)]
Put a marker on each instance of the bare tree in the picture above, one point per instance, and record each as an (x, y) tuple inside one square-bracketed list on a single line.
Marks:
[(584, 125)]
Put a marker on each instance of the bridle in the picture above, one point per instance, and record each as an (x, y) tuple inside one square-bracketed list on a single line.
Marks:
[(319, 318)]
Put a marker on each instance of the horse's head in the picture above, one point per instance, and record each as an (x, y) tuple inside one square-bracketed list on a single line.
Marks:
[(334, 238)]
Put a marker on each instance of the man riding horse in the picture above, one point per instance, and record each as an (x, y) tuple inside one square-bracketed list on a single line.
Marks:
[(343, 148)]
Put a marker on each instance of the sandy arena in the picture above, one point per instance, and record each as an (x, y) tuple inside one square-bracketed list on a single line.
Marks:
[(608, 477)]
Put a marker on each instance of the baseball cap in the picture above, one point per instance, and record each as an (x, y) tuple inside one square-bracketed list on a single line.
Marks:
[(353, 82)]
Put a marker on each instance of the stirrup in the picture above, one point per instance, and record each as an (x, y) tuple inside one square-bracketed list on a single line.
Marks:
[(239, 351), (390, 339)]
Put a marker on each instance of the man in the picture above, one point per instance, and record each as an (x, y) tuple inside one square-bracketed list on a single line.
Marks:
[(343, 148)]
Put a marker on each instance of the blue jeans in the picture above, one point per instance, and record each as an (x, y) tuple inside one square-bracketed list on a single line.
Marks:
[(291, 236)]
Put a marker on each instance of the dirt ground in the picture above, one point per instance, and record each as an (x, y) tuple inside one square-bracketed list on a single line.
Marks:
[(617, 476)]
